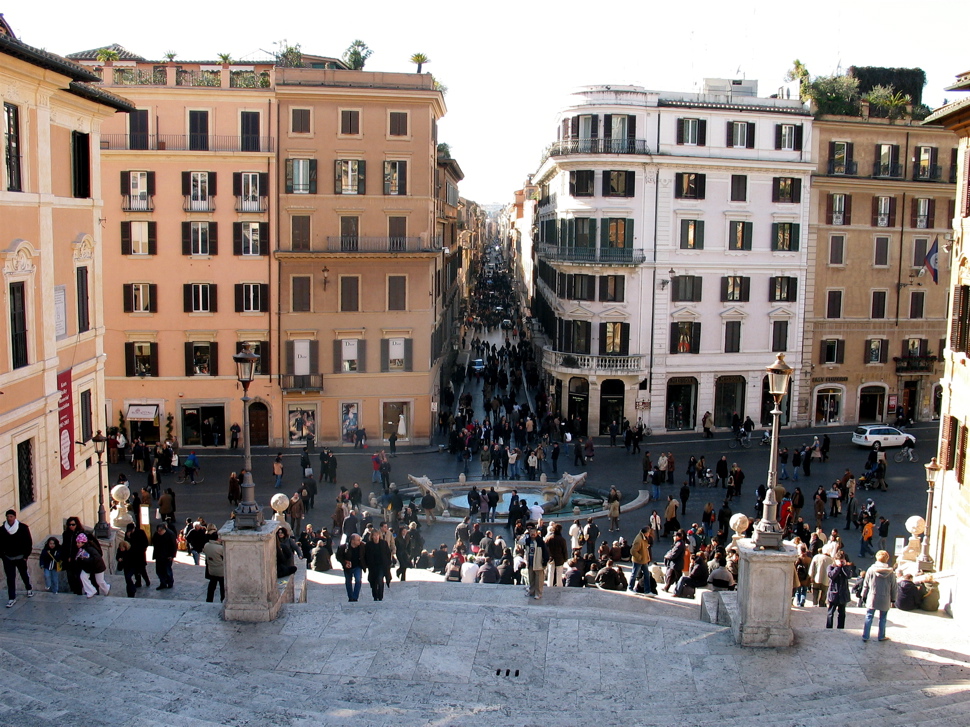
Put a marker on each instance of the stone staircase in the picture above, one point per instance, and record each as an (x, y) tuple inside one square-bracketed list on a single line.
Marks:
[(453, 654)]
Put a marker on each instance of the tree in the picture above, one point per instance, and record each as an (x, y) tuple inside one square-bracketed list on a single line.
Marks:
[(224, 57), (356, 55), (170, 56), (444, 151), (105, 55), (798, 72), (289, 56), (891, 102), (420, 59), (836, 95)]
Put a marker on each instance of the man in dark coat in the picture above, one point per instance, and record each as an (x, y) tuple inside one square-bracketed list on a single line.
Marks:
[(674, 560), (721, 470), (164, 550), (15, 548), (377, 562)]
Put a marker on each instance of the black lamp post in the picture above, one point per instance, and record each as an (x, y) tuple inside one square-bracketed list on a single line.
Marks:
[(926, 564), (249, 515), (767, 532), (102, 530)]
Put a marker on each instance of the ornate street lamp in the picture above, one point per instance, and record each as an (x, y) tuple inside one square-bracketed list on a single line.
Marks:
[(926, 563), (768, 533), (249, 515), (102, 530)]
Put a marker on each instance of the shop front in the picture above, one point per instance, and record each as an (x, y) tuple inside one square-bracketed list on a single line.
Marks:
[(681, 411), (728, 399), (204, 425), (611, 404), (828, 405)]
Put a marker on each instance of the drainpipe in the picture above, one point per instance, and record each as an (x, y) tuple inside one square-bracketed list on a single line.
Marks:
[(653, 283), (899, 267), (281, 418)]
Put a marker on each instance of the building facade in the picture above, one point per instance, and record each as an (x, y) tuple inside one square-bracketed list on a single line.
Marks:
[(671, 252), (52, 328), (190, 184), (882, 199), (367, 283), (949, 528), (245, 212)]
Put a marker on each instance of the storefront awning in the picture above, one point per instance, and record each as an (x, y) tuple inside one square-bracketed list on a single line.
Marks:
[(142, 412)]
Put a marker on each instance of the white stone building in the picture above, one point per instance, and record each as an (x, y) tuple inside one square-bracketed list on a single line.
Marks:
[(671, 252)]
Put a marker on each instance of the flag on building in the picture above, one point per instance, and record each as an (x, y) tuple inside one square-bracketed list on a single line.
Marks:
[(931, 262)]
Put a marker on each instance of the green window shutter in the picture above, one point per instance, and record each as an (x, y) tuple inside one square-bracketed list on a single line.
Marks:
[(628, 240)]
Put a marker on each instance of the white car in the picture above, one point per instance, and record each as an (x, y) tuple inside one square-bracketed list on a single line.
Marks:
[(865, 435)]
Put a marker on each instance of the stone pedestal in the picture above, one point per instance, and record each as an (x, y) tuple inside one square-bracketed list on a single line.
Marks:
[(765, 580), (252, 593)]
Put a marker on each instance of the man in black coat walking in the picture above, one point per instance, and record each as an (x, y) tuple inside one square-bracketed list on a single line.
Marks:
[(15, 548)]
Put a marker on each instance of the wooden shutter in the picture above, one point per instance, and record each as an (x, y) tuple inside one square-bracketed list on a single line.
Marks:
[(680, 131), (186, 238), (696, 286), (774, 236), (792, 290), (265, 358), (750, 135), (631, 126), (212, 184), (385, 355), (126, 238), (701, 186), (186, 184), (775, 189), (214, 358), (607, 175), (572, 184), (602, 337), (931, 214), (674, 337), (875, 210), (361, 177), (125, 184), (730, 133), (263, 297), (631, 182), (778, 137), (695, 337), (796, 235), (628, 234), (129, 358), (607, 126), (213, 298), (772, 281), (237, 238), (679, 185), (724, 289), (847, 215), (288, 184), (829, 206), (892, 211), (313, 176), (153, 358), (594, 128), (187, 297), (840, 351), (314, 356), (189, 359), (958, 316), (153, 298), (264, 184), (237, 184), (152, 238), (338, 176), (213, 238), (831, 154), (745, 289), (290, 357), (238, 296), (362, 355), (702, 133), (126, 290), (799, 135), (796, 190), (264, 243)]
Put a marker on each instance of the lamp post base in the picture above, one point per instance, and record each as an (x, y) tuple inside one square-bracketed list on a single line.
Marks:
[(926, 564)]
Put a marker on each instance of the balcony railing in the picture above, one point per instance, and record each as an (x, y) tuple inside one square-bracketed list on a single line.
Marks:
[(186, 142), (892, 171), (137, 204), (597, 146), (351, 243), (848, 169), (198, 78), (590, 363), (922, 222), (245, 204), (928, 173), (601, 255), (953, 174), (301, 382), (140, 77), (206, 204), (915, 364)]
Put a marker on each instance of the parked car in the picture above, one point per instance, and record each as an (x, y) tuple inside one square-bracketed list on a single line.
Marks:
[(507, 324), (478, 365), (865, 435)]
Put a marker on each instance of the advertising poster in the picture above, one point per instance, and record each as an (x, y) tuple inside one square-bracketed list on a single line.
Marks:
[(65, 422)]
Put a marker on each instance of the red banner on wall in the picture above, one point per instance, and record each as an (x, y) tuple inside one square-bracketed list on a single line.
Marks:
[(65, 421)]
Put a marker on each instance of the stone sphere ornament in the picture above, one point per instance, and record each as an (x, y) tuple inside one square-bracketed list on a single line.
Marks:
[(120, 494), (739, 523), (279, 503)]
